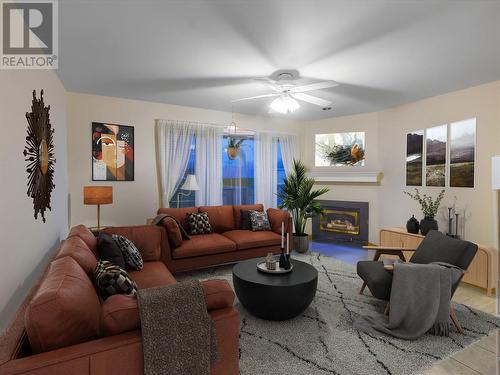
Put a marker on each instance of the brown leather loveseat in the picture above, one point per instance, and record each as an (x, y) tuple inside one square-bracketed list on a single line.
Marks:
[(228, 243), (64, 328)]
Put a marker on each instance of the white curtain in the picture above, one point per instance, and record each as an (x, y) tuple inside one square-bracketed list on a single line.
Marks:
[(173, 143), (209, 165), (265, 169), (289, 150)]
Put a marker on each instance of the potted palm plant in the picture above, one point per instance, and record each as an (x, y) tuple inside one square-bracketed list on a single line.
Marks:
[(298, 198)]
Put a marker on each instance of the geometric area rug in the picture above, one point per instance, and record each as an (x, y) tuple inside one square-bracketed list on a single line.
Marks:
[(323, 341)]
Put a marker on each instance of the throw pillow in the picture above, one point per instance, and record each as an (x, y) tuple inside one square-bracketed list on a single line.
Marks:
[(173, 231), (111, 279), (199, 223), (245, 223), (109, 250), (131, 254), (259, 221)]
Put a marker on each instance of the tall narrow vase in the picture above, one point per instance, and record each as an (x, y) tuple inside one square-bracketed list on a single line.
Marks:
[(282, 258)]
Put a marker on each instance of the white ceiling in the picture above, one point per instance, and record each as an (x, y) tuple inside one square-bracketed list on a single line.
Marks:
[(205, 53)]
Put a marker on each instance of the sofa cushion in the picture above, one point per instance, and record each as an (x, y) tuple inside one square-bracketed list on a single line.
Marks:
[(218, 294), (276, 217), (131, 254), (119, 313), (179, 214), (246, 239), (245, 223), (79, 251), (204, 244), (108, 250), (221, 217), (259, 221), (173, 232), (65, 310), (86, 235), (246, 207), (147, 238), (199, 223), (111, 279), (153, 274)]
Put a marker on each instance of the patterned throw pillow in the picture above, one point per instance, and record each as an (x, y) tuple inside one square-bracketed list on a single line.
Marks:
[(110, 279), (199, 223), (131, 254), (259, 221)]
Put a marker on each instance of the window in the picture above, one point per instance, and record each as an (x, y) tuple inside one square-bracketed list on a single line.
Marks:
[(281, 174), (182, 198), (238, 173)]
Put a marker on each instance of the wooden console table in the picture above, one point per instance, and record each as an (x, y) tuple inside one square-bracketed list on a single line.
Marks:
[(482, 272)]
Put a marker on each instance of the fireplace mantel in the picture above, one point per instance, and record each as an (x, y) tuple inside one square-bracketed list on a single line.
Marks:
[(346, 176)]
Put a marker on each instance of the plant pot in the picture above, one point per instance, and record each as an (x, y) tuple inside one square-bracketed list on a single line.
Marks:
[(427, 224), (300, 243), (232, 152)]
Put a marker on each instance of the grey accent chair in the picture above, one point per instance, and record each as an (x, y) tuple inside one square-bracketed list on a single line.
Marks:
[(436, 247)]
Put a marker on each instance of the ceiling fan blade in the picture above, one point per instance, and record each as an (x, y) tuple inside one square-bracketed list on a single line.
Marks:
[(255, 97), (311, 99), (315, 86), (269, 83)]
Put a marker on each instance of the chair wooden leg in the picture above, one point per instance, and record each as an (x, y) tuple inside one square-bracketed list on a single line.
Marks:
[(387, 308), (362, 288), (455, 321)]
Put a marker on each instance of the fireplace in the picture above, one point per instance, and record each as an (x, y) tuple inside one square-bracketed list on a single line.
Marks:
[(342, 221)]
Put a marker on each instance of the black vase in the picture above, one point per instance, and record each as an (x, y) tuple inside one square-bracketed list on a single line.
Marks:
[(427, 224), (412, 225)]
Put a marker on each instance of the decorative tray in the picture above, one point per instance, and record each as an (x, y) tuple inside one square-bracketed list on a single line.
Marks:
[(261, 266)]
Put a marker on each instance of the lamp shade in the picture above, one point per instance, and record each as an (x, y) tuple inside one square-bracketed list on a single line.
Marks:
[(97, 194), (190, 183), (495, 172)]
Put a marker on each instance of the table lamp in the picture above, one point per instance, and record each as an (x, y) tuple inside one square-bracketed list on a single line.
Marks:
[(97, 195), (190, 185)]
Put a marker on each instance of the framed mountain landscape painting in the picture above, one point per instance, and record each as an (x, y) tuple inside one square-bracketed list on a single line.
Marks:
[(414, 158), (462, 153), (112, 152), (435, 155)]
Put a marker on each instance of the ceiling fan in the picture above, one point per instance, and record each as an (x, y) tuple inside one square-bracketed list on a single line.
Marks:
[(287, 92)]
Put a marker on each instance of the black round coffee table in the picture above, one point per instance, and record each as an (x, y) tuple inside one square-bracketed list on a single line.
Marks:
[(275, 297)]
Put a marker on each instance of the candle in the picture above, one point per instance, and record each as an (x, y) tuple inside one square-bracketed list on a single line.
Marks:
[(287, 243), (282, 235)]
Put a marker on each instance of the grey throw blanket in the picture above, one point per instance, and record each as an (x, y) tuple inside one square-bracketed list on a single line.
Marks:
[(178, 335), (420, 302)]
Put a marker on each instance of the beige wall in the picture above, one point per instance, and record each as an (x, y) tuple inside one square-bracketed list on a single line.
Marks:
[(134, 201), (367, 123), (385, 151), (481, 102), (27, 243)]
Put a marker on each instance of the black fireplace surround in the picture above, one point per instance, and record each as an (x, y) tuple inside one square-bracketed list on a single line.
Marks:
[(342, 221)]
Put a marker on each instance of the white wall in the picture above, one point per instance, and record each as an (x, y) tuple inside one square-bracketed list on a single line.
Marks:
[(27, 243), (385, 151), (133, 201)]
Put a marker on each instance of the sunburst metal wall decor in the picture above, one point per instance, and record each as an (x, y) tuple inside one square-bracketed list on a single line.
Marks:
[(39, 153)]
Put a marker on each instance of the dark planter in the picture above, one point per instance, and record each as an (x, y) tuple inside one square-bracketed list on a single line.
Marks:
[(427, 224), (300, 243), (412, 225)]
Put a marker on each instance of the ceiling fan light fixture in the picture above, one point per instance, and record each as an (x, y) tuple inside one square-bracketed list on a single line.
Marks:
[(284, 104)]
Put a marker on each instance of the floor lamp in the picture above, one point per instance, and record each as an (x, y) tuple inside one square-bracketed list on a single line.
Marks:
[(97, 195), (189, 185)]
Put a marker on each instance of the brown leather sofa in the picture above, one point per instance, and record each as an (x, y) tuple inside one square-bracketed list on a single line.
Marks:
[(64, 328), (228, 243)]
